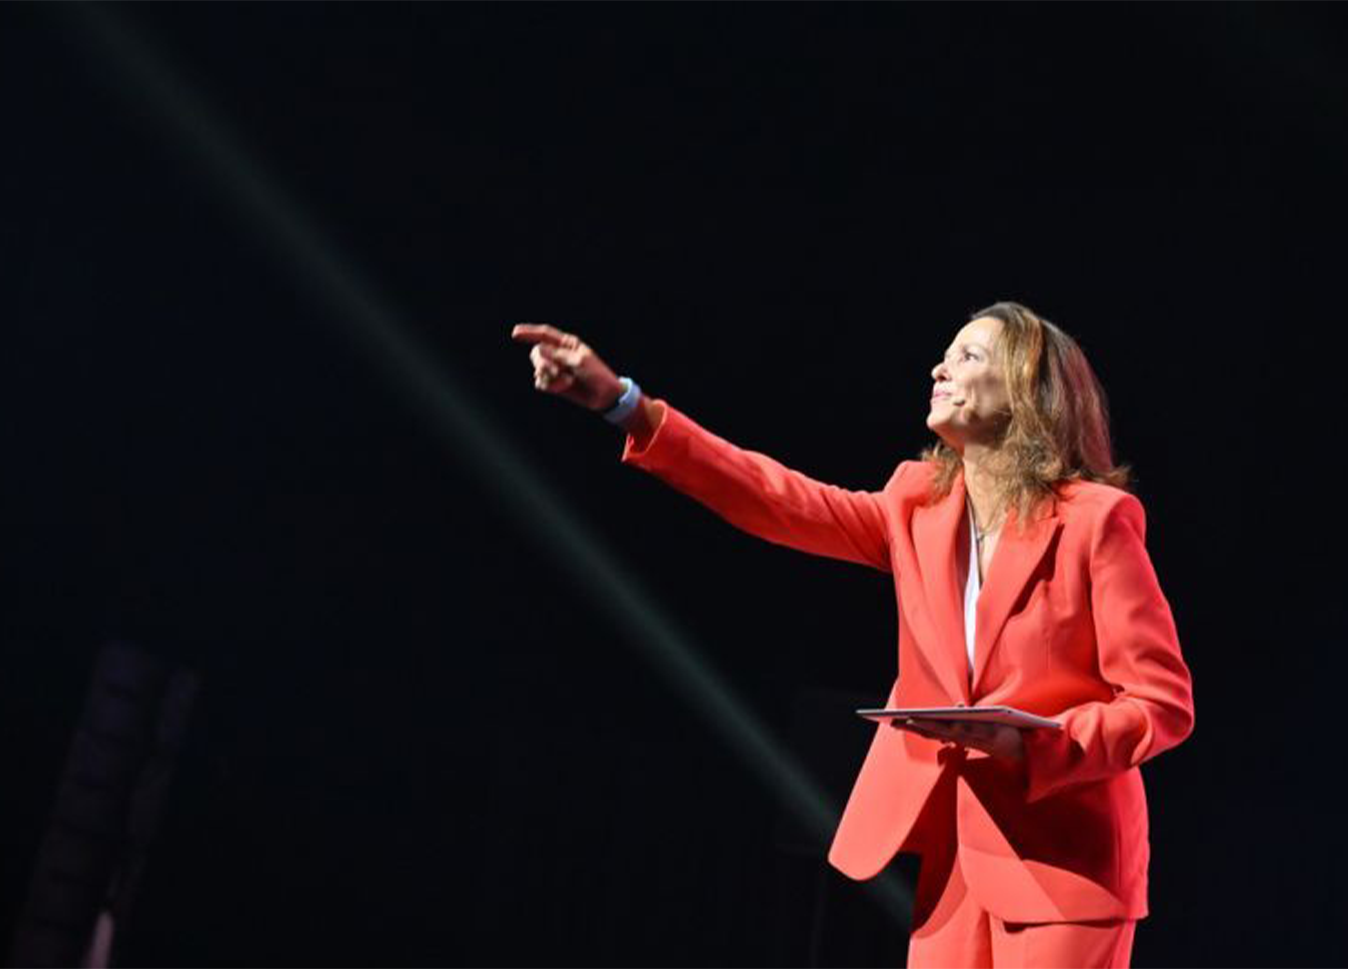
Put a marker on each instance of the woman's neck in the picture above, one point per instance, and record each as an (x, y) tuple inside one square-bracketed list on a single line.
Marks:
[(981, 484)]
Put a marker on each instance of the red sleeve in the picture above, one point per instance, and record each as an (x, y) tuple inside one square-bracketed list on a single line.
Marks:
[(764, 498), (1139, 655)]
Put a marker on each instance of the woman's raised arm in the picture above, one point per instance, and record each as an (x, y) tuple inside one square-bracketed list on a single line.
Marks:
[(750, 490)]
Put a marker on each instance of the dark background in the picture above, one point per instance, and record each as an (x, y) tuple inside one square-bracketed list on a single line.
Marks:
[(419, 739)]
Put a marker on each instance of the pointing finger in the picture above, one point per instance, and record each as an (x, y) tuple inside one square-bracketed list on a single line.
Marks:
[(541, 333)]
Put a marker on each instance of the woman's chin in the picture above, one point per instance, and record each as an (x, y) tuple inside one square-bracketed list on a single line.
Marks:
[(942, 428)]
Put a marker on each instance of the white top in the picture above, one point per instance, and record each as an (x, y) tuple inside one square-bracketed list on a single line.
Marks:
[(972, 586)]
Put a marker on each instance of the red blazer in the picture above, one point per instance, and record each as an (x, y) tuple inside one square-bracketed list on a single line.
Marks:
[(1072, 625)]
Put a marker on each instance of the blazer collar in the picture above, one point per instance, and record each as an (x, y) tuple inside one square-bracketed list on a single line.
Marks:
[(1014, 562)]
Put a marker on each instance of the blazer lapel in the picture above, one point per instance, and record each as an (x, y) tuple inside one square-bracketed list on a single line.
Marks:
[(1014, 562), (935, 530)]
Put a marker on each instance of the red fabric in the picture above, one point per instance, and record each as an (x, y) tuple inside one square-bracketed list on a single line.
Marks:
[(960, 932), (951, 928), (1072, 625)]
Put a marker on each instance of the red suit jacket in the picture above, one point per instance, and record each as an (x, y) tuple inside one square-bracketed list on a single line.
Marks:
[(1072, 625)]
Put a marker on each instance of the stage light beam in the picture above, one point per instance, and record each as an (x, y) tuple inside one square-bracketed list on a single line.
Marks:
[(374, 323)]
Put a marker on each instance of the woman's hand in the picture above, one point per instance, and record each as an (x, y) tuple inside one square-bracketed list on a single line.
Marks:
[(565, 366), (996, 739)]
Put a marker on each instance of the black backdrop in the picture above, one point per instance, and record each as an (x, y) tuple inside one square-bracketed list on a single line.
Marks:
[(419, 740)]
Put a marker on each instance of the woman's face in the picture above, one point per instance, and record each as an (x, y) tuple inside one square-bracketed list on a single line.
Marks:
[(969, 400)]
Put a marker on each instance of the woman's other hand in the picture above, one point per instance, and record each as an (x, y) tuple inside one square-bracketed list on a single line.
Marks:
[(565, 366), (996, 739)]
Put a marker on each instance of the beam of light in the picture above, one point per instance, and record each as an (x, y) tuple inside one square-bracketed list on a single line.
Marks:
[(374, 324)]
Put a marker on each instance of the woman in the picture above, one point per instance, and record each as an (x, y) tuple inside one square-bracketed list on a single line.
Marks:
[(1022, 580)]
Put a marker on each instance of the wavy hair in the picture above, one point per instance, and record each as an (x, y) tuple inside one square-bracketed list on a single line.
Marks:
[(1058, 426)]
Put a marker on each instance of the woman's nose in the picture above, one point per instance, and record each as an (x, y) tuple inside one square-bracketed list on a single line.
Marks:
[(938, 371)]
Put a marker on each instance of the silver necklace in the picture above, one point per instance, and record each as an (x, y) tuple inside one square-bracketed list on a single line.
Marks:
[(981, 533)]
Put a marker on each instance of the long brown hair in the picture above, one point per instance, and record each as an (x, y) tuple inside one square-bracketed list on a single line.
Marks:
[(1058, 429)]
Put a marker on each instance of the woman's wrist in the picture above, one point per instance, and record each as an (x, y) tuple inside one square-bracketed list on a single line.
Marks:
[(626, 404), (614, 395)]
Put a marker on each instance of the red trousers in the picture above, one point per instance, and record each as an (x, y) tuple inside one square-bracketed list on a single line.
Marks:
[(950, 928)]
